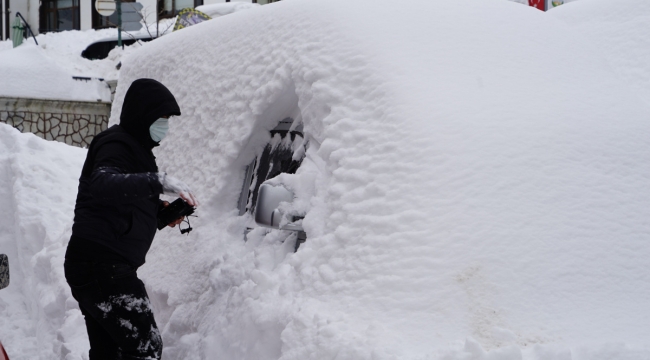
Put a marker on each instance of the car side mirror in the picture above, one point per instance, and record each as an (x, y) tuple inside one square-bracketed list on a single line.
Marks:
[(4, 271), (267, 213)]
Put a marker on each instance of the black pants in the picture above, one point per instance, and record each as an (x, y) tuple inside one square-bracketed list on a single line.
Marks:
[(117, 310)]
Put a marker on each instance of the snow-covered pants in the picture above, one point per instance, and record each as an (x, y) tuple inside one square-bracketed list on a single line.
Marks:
[(117, 310)]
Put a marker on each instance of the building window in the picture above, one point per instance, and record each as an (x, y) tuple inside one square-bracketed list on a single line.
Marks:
[(171, 8), (59, 15), (102, 22)]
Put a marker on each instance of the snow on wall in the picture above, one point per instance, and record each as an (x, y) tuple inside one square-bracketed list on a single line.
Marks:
[(456, 187)]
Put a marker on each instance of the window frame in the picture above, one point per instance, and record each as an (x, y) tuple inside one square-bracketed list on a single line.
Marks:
[(50, 7), (248, 193)]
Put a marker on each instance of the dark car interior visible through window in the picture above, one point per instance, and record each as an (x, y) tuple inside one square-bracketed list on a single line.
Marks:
[(100, 49), (273, 161)]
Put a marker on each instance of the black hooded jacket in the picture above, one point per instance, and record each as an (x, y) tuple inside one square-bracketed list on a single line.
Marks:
[(118, 196)]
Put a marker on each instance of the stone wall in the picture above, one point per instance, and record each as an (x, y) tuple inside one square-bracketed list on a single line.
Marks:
[(72, 122)]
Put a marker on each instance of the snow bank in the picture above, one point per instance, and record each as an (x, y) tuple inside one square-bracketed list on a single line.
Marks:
[(27, 72), (64, 49), (619, 29), (465, 200), (46, 70), (38, 185)]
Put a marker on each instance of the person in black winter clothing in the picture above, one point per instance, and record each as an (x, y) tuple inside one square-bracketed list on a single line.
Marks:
[(115, 223)]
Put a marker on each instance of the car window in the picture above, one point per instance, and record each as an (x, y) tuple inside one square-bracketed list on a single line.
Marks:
[(283, 154), (99, 50)]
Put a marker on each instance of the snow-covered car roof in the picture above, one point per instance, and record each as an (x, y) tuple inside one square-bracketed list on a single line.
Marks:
[(475, 171), (619, 31)]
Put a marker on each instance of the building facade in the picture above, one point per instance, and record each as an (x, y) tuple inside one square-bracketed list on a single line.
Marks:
[(61, 15)]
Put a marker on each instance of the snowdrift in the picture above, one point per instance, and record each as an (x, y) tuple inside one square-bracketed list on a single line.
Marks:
[(38, 185)]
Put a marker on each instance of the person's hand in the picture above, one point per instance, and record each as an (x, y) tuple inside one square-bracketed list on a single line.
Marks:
[(175, 222), (173, 186)]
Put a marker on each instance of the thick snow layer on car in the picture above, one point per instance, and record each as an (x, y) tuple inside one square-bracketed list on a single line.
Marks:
[(620, 31), (461, 194)]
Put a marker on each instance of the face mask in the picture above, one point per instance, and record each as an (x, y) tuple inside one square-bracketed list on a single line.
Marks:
[(158, 129)]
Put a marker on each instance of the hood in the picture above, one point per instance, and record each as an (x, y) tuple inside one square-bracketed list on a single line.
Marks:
[(145, 102)]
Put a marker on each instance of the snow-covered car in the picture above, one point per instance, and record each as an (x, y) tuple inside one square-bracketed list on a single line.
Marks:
[(472, 183)]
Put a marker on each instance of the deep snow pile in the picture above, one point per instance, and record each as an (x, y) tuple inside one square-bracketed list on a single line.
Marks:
[(461, 195), (620, 30), (38, 185)]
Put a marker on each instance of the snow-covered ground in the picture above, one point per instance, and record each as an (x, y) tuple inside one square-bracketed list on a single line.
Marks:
[(465, 196), (38, 185)]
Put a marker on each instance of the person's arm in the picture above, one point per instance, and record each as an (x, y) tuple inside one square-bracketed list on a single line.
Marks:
[(109, 180), (111, 183)]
